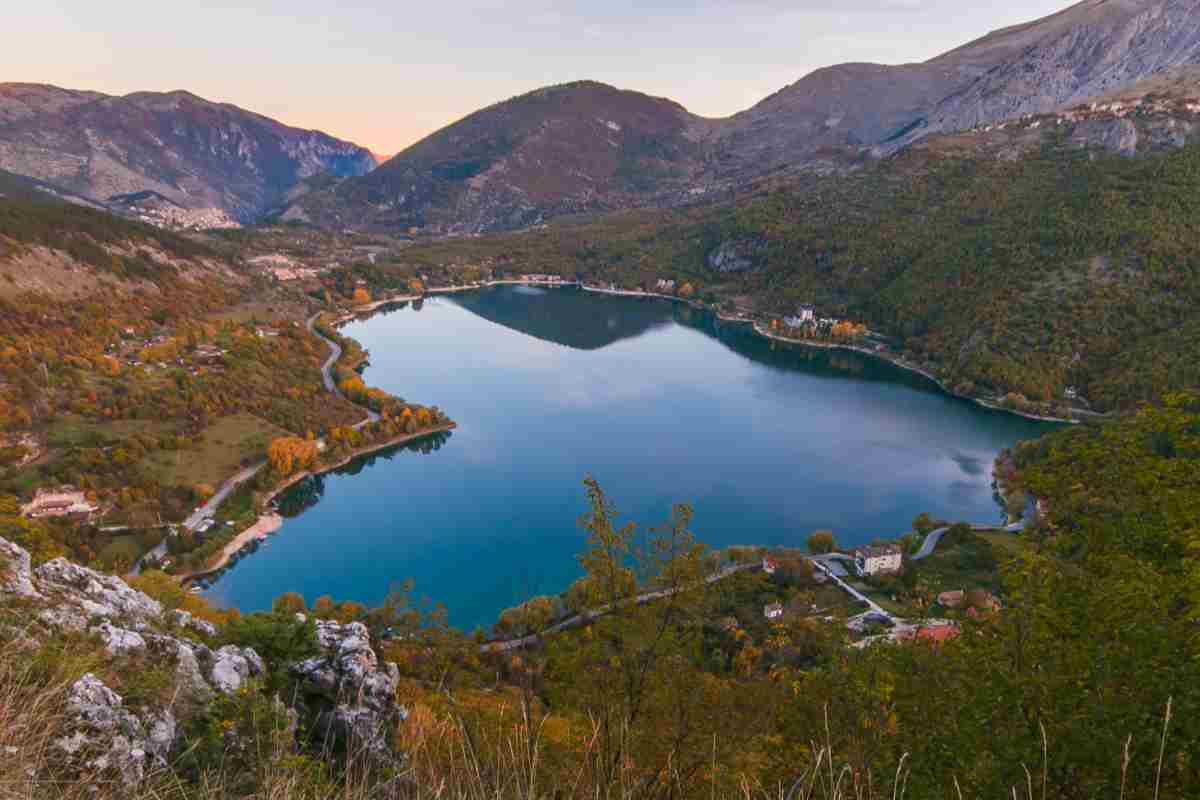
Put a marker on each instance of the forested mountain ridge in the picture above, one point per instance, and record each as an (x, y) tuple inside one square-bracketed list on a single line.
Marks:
[(587, 147), (563, 149), (197, 153)]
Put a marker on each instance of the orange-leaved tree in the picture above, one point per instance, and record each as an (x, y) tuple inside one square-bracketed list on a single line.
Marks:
[(288, 454)]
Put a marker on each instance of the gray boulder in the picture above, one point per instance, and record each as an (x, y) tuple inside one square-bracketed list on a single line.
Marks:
[(349, 697), (233, 665), (118, 641), (187, 621), (108, 737), (16, 576), (95, 594)]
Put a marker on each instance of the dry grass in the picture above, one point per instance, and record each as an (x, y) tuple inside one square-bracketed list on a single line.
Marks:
[(446, 756)]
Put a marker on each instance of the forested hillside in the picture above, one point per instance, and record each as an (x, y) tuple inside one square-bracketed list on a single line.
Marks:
[(144, 369), (1058, 267)]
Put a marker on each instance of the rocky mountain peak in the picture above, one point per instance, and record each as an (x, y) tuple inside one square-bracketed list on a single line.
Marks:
[(196, 153)]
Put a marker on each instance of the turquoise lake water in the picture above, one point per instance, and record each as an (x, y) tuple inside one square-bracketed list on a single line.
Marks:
[(661, 403)]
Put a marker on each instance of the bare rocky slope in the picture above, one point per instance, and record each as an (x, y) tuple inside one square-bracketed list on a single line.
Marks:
[(587, 147), (191, 151)]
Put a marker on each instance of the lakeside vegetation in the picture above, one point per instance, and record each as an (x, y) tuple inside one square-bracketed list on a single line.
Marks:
[(1083, 683), (147, 391), (1063, 268)]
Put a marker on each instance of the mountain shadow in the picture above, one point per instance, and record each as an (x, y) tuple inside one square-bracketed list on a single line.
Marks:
[(571, 317)]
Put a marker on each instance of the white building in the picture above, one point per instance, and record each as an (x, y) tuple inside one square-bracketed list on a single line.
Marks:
[(63, 502), (805, 315), (886, 559), (773, 611)]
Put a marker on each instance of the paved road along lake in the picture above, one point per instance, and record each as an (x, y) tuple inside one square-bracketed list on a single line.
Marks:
[(661, 403)]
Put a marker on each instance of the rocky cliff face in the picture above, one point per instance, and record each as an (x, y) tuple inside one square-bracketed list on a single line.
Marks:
[(346, 697), (1088, 49), (194, 152), (588, 147)]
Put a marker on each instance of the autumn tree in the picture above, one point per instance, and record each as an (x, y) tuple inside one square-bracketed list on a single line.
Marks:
[(361, 296), (324, 607), (821, 542), (289, 603), (289, 454), (532, 616)]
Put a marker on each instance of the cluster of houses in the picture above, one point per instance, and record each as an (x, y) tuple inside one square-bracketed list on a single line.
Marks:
[(130, 346), (975, 602), (207, 353), (177, 218), (806, 315), (537, 278), (284, 268), (66, 501), (203, 357), (1116, 108), (664, 285)]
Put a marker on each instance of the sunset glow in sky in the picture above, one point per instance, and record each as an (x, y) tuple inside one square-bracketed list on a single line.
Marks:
[(385, 74)]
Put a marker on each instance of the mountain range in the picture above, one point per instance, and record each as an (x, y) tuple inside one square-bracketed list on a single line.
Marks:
[(187, 150), (587, 147), (584, 147)]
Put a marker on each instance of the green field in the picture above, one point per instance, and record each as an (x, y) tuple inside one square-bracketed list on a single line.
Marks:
[(75, 432), (216, 454), (973, 564)]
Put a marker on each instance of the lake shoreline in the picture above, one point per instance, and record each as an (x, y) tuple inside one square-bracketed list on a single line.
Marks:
[(359, 452), (898, 362), (261, 528), (894, 360)]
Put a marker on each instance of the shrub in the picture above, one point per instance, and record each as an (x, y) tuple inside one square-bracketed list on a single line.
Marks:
[(279, 637)]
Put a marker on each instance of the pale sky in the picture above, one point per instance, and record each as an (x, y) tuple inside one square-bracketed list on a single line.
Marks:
[(385, 74)]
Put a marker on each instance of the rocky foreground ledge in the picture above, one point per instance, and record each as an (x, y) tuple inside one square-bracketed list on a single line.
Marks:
[(343, 695)]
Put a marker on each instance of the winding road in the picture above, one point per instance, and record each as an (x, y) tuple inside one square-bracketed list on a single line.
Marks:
[(873, 608), (931, 541), (590, 616), (327, 368), (209, 509)]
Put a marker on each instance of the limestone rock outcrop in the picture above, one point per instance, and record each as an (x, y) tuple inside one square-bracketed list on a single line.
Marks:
[(107, 736), (345, 694), (348, 695)]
